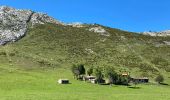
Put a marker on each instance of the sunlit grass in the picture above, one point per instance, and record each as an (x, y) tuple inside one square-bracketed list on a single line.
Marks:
[(41, 84)]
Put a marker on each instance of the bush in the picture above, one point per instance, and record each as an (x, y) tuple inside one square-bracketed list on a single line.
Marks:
[(78, 70), (81, 69), (99, 75), (111, 75), (159, 79), (3, 53), (122, 80), (90, 71), (75, 71)]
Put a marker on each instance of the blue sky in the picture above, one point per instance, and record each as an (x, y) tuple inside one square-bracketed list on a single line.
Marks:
[(131, 15)]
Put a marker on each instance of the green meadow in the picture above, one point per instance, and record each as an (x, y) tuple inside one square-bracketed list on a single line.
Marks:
[(18, 83)]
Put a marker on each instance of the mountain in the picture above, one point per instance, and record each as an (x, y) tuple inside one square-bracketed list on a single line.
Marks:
[(30, 39), (14, 23)]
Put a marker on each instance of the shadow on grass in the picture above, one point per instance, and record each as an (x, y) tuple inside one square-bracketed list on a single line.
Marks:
[(134, 87), (164, 84), (65, 83), (104, 84), (115, 85)]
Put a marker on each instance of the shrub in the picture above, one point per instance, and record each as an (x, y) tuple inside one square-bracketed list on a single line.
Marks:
[(115, 78), (81, 69), (159, 79), (3, 53), (99, 75), (122, 80), (90, 71), (75, 71), (111, 75), (78, 70)]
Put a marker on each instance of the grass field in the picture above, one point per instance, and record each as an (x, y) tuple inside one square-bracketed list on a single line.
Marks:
[(18, 83)]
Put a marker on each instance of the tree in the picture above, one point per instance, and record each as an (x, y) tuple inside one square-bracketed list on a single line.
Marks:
[(81, 69), (115, 78), (111, 75), (99, 75), (75, 71), (159, 79), (122, 80), (90, 71), (78, 70)]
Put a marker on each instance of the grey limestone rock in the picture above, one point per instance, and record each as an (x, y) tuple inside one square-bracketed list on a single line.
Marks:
[(14, 23), (162, 33)]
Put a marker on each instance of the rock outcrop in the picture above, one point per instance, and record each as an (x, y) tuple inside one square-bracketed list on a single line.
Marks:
[(14, 23), (76, 24), (99, 30), (40, 18), (162, 33)]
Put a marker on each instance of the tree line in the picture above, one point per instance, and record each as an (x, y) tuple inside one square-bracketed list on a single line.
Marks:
[(100, 73), (108, 73)]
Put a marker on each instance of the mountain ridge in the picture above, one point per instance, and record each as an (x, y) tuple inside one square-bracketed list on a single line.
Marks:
[(15, 23)]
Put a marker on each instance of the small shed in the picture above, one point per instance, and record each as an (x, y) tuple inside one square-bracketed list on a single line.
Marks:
[(140, 80), (63, 81), (89, 78)]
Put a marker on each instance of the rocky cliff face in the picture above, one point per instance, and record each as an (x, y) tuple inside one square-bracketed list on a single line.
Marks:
[(162, 33), (14, 23)]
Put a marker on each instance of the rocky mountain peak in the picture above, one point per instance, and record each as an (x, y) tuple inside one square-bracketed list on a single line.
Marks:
[(14, 22)]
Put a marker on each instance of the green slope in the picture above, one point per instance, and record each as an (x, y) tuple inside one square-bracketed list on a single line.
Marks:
[(52, 45)]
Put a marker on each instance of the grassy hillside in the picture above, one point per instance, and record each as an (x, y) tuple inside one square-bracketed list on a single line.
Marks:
[(61, 46), (30, 67)]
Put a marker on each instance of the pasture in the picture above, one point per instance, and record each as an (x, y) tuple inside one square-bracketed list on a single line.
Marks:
[(18, 83)]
